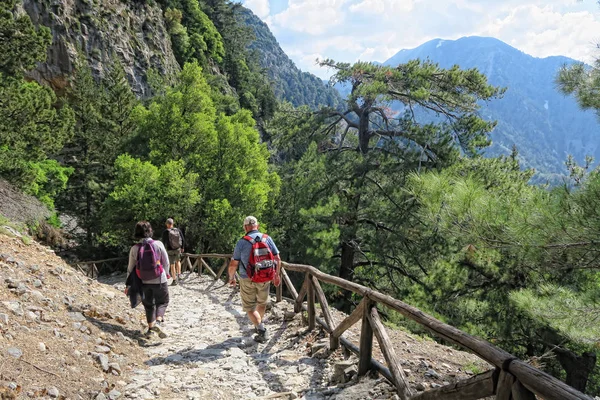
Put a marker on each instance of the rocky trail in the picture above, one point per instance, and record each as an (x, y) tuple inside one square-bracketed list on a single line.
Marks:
[(65, 336)]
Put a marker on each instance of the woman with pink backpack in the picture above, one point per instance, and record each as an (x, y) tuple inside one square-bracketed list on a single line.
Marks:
[(149, 266)]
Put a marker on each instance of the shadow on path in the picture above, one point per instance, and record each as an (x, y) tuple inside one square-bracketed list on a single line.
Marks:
[(113, 328), (261, 358)]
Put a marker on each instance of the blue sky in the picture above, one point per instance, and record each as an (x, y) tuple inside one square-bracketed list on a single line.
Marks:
[(374, 30)]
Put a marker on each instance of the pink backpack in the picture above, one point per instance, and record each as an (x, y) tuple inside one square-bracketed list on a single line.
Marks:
[(148, 264)]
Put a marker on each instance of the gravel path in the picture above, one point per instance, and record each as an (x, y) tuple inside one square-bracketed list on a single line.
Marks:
[(210, 351)]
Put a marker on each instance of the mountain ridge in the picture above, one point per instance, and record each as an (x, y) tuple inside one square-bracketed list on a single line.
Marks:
[(533, 115), (289, 82)]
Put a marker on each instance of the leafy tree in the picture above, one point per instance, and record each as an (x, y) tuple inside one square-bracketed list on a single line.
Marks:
[(583, 82), (508, 261), (31, 128), (143, 191), (49, 180), (193, 34), (183, 124)]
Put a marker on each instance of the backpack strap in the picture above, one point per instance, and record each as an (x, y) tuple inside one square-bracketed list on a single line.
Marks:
[(249, 239)]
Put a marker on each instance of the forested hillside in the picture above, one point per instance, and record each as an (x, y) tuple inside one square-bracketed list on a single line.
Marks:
[(397, 201), (533, 115), (288, 82)]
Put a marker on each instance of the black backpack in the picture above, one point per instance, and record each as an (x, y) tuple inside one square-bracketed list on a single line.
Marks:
[(175, 240)]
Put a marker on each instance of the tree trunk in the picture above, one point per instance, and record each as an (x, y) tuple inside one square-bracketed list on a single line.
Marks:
[(347, 273), (347, 262), (578, 368), (363, 132)]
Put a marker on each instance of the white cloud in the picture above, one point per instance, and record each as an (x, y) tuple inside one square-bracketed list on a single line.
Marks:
[(307, 62), (259, 7), (374, 30), (314, 17), (385, 8), (542, 32)]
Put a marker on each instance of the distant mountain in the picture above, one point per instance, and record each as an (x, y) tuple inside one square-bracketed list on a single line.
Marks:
[(533, 115), (289, 82)]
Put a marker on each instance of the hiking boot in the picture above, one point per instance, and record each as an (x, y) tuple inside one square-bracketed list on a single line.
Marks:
[(148, 334), (156, 329), (175, 282), (262, 335)]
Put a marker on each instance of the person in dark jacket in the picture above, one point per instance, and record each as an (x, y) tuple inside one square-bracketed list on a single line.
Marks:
[(175, 242), (155, 292)]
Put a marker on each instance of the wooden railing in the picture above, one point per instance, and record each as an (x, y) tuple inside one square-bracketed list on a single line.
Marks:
[(94, 268), (510, 379)]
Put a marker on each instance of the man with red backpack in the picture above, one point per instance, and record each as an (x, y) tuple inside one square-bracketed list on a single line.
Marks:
[(257, 261), (149, 261)]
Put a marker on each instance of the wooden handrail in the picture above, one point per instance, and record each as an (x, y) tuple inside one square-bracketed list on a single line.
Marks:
[(516, 376), (101, 261), (537, 381), (206, 255)]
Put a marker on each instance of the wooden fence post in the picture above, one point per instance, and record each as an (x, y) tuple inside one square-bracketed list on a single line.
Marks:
[(194, 265), (279, 289), (312, 312), (183, 263), (301, 294), (289, 284), (505, 384), (206, 267), (366, 340), (324, 305), (196, 262), (334, 339), (387, 348), (223, 267), (520, 392), (476, 387)]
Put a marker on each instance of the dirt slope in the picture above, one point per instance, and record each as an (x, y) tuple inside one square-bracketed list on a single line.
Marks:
[(62, 335), (19, 207)]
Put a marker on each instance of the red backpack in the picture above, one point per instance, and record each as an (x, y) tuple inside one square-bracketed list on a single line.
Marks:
[(261, 265), (148, 264)]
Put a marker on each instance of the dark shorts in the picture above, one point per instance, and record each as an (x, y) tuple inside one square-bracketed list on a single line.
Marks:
[(174, 256)]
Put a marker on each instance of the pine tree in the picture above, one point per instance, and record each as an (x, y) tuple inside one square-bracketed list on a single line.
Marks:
[(33, 124), (366, 153), (22, 45), (103, 114)]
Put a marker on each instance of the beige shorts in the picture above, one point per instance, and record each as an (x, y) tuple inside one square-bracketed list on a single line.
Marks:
[(253, 293), (174, 256)]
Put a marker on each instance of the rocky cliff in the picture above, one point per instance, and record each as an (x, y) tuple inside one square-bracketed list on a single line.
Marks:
[(132, 31)]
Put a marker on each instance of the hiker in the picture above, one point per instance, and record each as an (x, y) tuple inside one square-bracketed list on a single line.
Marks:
[(174, 241), (149, 260), (257, 261)]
